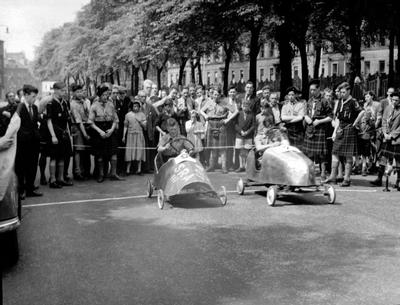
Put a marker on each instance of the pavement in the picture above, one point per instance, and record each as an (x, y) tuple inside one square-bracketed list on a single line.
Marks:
[(108, 244)]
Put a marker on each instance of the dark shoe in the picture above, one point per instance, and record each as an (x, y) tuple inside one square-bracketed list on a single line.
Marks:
[(100, 179), (345, 183), (339, 180), (22, 196), (116, 178), (240, 170), (224, 171), (139, 173), (65, 183), (67, 179), (232, 169), (210, 169), (33, 194), (54, 185), (376, 182), (364, 173), (35, 188), (43, 181)]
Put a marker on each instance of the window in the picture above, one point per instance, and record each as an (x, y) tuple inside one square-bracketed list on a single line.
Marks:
[(208, 59), (261, 74), (241, 74), (323, 70), (335, 69), (262, 51), (382, 41), (367, 67), (381, 66), (233, 76), (307, 47), (215, 77), (208, 78), (271, 74), (296, 71), (184, 78), (271, 49)]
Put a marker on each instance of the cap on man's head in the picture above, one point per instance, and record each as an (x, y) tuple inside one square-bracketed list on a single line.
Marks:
[(59, 85), (344, 85), (122, 89), (76, 87), (315, 81), (294, 89)]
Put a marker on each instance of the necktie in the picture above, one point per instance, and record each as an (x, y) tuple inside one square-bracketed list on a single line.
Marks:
[(30, 111)]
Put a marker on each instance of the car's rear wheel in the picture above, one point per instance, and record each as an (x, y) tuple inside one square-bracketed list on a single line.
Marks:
[(272, 193)]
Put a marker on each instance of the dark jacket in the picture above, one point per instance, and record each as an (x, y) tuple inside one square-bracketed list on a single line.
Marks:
[(247, 125), (28, 132)]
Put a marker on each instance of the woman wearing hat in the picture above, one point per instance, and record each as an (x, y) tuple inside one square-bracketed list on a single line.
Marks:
[(104, 121), (292, 115), (215, 113)]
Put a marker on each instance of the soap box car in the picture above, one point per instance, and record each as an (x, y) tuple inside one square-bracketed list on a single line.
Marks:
[(279, 168), (181, 175)]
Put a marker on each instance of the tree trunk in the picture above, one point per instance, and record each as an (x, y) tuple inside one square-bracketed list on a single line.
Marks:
[(285, 59), (182, 66), (145, 69), (355, 44), (391, 59), (192, 71), (118, 79), (111, 74), (318, 50), (135, 80), (159, 71), (304, 70), (254, 49), (228, 50), (199, 71)]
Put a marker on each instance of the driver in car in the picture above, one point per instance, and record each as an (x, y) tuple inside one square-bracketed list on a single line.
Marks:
[(172, 143)]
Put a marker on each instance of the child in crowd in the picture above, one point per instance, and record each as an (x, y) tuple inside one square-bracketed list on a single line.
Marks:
[(135, 122), (244, 127), (195, 133)]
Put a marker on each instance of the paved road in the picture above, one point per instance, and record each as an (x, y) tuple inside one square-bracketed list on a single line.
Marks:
[(126, 251)]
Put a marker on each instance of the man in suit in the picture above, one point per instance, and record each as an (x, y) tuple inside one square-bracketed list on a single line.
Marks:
[(28, 143), (251, 98)]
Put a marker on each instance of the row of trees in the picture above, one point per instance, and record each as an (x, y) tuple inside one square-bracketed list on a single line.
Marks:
[(110, 38)]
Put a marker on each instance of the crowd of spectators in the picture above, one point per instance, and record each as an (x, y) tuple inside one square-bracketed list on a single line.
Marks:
[(112, 135)]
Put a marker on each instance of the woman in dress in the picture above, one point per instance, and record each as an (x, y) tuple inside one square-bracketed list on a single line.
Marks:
[(135, 122), (195, 133)]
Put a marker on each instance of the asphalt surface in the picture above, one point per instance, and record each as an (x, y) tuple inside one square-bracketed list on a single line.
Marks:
[(77, 250)]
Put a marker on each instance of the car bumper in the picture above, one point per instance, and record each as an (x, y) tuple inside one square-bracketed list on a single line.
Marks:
[(9, 225)]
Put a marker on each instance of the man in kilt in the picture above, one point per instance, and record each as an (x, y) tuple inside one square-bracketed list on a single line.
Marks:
[(292, 115), (390, 149), (317, 118), (345, 135)]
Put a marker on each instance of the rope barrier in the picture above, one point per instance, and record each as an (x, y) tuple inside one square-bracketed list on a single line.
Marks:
[(152, 148)]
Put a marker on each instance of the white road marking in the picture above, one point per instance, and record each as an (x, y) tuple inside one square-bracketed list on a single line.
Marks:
[(144, 196)]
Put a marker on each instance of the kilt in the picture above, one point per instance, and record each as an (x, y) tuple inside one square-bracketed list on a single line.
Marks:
[(364, 147), (390, 151), (104, 147), (216, 134), (345, 145), (316, 144), (295, 133)]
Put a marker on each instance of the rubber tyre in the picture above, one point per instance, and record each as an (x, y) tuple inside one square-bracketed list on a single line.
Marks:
[(272, 194), (150, 189), (9, 253), (240, 186), (330, 193), (222, 196), (160, 199)]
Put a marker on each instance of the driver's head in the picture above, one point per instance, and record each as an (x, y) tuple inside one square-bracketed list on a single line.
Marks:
[(173, 127)]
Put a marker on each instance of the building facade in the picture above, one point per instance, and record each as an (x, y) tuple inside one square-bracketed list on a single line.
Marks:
[(375, 59)]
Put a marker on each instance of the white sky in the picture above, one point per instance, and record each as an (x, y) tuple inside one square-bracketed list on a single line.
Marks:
[(29, 20)]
